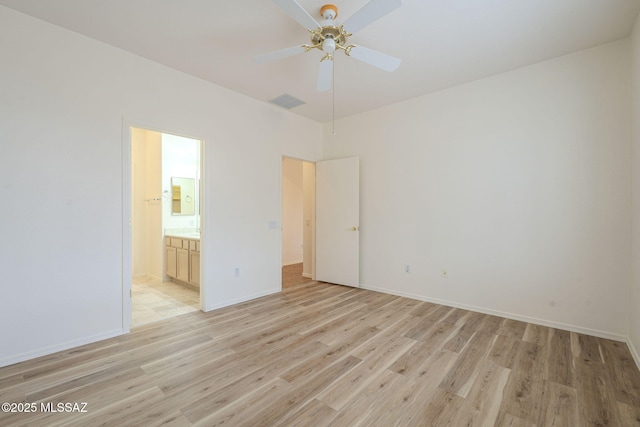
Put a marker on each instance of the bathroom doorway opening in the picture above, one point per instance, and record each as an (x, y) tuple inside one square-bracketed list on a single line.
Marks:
[(166, 200), (298, 222)]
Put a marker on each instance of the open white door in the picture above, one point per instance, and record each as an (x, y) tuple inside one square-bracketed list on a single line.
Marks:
[(338, 221)]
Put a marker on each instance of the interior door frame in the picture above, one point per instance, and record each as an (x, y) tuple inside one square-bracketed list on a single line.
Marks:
[(313, 225), (127, 213)]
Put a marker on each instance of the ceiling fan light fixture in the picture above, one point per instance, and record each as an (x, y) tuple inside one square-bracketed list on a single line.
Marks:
[(327, 36), (329, 45)]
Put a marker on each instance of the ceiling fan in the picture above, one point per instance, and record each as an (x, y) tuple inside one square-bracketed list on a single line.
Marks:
[(328, 37)]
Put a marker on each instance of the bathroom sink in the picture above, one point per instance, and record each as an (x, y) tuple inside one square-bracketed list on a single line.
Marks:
[(191, 235)]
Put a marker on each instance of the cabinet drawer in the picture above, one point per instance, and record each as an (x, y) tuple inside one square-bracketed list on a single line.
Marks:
[(167, 241), (176, 243), (193, 245)]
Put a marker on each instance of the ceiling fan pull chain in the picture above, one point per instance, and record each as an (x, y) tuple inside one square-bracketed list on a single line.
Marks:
[(333, 100)]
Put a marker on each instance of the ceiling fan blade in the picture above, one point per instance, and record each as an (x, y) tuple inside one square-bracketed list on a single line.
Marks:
[(369, 13), (325, 75), (279, 54), (298, 13), (373, 57)]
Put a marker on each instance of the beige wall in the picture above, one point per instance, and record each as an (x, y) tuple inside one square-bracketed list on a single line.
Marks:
[(309, 218), (147, 254), (292, 212)]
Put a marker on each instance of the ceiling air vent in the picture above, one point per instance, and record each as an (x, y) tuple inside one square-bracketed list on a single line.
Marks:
[(286, 101)]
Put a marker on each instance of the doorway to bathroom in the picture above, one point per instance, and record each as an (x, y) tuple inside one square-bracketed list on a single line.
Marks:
[(165, 225)]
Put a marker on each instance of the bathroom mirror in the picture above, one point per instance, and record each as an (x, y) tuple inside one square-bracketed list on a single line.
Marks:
[(183, 192)]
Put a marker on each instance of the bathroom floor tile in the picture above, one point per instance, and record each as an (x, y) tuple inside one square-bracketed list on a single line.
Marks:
[(153, 300)]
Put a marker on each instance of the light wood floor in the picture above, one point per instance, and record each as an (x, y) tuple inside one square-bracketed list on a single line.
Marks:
[(326, 355), (292, 276)]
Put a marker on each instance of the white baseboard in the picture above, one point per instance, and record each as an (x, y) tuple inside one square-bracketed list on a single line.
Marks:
[(242, 299), (307, 275), (59, 347), (513, 316), (634, 352)]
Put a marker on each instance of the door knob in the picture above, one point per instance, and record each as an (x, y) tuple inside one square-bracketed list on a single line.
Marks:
[(354, 228)]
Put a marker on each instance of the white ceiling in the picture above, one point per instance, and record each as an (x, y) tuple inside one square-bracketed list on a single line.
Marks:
[(442, 43)]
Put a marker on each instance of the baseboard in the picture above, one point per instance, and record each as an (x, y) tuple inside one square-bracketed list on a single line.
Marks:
[(512, 316), (239, 300), (286, 264), (59, 347), (634, 352), (307, 275)]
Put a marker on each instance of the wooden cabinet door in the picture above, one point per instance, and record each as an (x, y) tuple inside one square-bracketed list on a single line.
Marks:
[(182, 261), (170, 262), (195, 268)]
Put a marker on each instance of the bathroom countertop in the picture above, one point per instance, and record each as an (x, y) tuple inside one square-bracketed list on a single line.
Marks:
[(195, 236)]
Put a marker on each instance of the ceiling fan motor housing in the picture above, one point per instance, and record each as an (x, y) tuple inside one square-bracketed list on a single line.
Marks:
[(329, 11), (337, 34)]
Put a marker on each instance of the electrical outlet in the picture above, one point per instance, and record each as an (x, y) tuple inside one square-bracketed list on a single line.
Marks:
[(407, 268), (236, 272), (445, 274)]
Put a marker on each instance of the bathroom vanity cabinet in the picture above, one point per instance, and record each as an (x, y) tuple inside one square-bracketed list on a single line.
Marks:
[(182, 259)]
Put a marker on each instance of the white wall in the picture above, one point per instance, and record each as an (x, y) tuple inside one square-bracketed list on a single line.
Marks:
[(634, 315), (292, 210), (518, 185), (63, 103)]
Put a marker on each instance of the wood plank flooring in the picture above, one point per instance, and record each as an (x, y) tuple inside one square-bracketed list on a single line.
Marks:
[(326, 355)]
